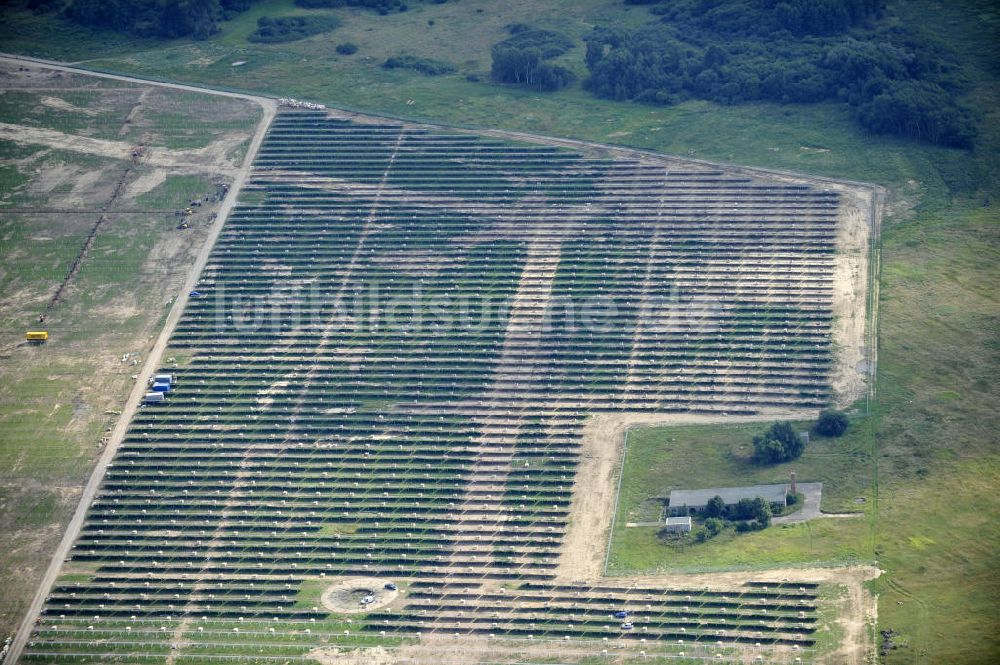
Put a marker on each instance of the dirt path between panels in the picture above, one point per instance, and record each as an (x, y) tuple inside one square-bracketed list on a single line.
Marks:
[(852, 355)]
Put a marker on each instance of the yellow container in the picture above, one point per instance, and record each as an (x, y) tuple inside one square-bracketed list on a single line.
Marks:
[(36, 336)]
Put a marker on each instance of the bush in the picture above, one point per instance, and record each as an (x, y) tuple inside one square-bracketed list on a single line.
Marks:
[(715, 507), (780, 443), (751, 514), (290, 28), (427, 66), (832, 423), (549, 43), (713, 526), (347, 48)]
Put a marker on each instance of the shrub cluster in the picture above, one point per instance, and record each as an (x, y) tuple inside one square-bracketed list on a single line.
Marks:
[(427, 66), (780, 443), (291, 28), (832, 423)]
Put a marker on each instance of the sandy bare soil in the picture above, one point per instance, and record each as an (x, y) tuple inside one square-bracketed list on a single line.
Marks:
[(341, 656), (210, 159), (62, 105), (851, 370), (344, 596)]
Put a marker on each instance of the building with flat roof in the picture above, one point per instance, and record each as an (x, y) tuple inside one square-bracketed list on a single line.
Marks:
[(678, 524), (683, 500)]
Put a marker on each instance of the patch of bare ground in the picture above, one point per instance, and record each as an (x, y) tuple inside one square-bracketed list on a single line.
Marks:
[(211, 159), (346, 596), (62, 105), (339, 656), (146, 182), (855, 223)]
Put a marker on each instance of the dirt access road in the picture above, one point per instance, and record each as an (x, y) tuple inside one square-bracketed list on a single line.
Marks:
[(268, 108), (583, 557)]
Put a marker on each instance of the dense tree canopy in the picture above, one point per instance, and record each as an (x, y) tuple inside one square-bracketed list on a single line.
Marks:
[(521, 59), (150, 18), (785, 51), (190, 18), (832, 423), (780, 443), (290, 28)]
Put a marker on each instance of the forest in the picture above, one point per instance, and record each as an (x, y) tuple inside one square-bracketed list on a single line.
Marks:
[(792, 51), (191, 18)]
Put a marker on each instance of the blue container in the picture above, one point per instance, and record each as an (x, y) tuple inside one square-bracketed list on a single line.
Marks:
[(161, 387)]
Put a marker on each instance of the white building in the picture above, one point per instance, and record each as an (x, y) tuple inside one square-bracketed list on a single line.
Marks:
[(678, 524)]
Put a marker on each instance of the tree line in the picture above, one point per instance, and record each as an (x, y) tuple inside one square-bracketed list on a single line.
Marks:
[(199, 19), (148, 18), (787, 51)]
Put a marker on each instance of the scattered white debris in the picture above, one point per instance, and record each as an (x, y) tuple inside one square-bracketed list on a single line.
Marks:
[(238, 63), (296, 104)]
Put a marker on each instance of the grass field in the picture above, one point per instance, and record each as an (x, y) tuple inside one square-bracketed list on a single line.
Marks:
[(665, 458), (933, 422), (59, 400)]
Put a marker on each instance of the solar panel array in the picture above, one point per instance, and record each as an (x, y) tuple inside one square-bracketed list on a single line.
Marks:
[(400, 333)]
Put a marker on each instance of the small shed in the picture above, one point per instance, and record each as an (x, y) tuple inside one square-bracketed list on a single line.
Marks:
[(678, 525)]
